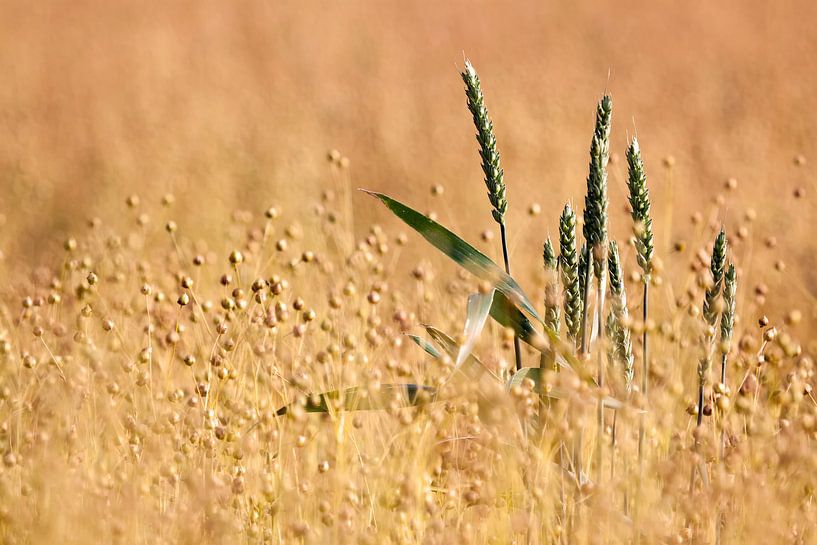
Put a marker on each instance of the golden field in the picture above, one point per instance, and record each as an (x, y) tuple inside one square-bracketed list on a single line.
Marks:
[(185, 253)]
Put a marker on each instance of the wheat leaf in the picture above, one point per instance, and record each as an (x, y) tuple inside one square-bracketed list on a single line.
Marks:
[(461, 252), (479, 306)]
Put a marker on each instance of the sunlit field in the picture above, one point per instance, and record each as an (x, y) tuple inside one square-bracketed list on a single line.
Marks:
[(264, 285)]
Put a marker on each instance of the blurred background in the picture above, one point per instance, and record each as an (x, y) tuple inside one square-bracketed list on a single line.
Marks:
[(234, 105)]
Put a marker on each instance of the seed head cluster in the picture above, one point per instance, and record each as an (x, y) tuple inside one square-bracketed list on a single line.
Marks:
[(488, 151)]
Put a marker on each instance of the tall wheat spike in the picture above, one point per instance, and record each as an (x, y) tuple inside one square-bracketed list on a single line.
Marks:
[(620, 345), (639, 196), (491, 167), (727, 329), (595, 208), (727, 325), (595, 233)]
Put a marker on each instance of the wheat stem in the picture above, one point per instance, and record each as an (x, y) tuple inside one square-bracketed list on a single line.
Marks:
[(491, 167)]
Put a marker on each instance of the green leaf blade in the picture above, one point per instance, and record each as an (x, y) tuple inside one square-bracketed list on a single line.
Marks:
[(460, 251), (479, 306)]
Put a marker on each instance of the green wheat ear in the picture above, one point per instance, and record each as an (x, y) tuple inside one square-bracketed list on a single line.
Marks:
[(716, 266), (640, 204), (490, 167), (569, 268), (622, 344), (552, 311), (595, 202), (730, 286), (710, 313), (487, 143)]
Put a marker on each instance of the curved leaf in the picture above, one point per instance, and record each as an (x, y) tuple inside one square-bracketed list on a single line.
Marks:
[(460, 251), (479, 305), (508, 315), (361, 399), (509, 297)]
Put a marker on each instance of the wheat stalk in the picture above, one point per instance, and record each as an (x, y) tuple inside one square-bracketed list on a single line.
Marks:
[(491, 167), (727, 325), (620, 340), (595, 206), (595, 233), (710, 314), (639, 196), (585, 277)]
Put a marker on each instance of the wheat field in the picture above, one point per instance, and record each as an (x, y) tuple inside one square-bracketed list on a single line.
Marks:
[(210, 334)]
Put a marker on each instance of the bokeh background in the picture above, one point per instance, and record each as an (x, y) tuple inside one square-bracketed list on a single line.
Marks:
[(234, 105)]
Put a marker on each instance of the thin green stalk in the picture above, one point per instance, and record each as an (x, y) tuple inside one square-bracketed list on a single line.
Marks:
[(710, 314), (645, 373), (517, 349), (595, 233)]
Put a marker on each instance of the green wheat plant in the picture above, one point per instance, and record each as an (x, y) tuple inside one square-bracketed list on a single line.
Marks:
[(491, 167), (595, 235), (727, 329), (642, 231), (595, 211), (639, 197), (594, 262), (712, 298)]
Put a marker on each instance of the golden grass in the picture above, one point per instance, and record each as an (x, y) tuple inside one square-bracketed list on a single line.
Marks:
[(127, 417)]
